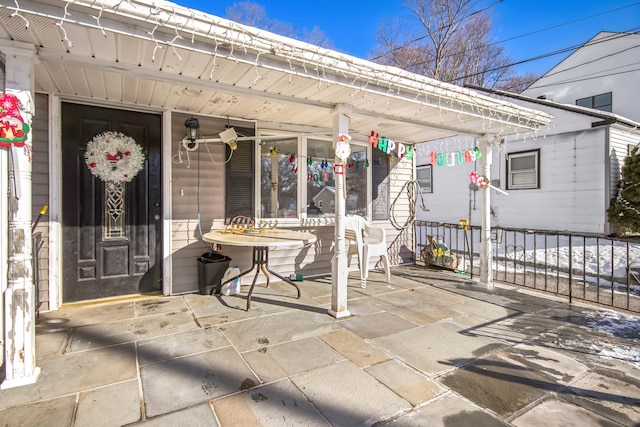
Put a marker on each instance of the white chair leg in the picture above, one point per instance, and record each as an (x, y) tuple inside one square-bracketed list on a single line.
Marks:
[(364, 268), (387, 269)]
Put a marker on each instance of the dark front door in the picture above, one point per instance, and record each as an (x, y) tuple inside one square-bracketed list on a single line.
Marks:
[(112, 242)]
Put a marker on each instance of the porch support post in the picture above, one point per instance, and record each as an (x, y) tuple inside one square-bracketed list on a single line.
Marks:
[(19, 297), (339, 269), (486, 258)]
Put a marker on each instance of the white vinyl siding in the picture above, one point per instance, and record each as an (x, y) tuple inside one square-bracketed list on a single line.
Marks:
[(40, 192)]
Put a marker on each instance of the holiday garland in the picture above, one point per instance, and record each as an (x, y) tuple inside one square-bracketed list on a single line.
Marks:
[(114, 156)]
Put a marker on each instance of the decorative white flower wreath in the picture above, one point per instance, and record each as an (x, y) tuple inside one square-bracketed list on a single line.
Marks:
[(114, 156)]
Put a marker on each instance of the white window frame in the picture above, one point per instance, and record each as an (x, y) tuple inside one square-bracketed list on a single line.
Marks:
[(536, 170), (302, 174), (425, 167)]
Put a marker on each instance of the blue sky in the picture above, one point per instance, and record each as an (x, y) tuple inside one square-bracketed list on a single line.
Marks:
[(532, 27)]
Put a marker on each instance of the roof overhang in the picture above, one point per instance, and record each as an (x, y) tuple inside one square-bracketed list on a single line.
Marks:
[(160, 55)]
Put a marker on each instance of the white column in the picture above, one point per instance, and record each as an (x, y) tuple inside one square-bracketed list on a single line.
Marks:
[(486, 257), (339, 269), (19, 297)]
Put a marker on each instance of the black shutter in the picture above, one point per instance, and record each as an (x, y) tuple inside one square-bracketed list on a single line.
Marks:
[(380, 185), (239, 189)]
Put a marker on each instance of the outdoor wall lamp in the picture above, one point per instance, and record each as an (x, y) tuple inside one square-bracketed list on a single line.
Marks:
[(193, 129), (193, 138)]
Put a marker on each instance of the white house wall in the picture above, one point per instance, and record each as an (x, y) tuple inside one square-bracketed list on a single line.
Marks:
[(594, 69), (573, 183)]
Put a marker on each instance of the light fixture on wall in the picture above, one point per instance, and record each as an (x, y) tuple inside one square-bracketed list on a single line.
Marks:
[(193, 138), (193, 132)]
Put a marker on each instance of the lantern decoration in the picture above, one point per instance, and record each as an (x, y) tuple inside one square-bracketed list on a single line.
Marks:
[(114, 157), (13, 130)]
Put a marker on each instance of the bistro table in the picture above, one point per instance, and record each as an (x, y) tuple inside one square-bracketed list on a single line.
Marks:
[(260, 239)]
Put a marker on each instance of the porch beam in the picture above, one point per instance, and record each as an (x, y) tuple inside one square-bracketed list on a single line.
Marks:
[(19, 297), (339, 268)]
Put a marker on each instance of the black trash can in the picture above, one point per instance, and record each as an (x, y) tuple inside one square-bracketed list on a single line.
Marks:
[(211, 268)]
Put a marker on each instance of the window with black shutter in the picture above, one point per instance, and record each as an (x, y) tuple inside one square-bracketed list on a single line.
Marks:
[(240, 171)]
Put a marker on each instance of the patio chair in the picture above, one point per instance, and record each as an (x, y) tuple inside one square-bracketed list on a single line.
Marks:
[(367, 242)]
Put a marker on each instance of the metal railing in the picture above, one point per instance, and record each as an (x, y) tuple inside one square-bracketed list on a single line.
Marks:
[(588, 267)]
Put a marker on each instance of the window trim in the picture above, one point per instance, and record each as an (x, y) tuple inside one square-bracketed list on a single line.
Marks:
[(430, 167), (592, 101), (302, 141), (517, 154)]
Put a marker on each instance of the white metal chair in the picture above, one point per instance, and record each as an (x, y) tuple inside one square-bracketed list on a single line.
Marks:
[(367, 242)]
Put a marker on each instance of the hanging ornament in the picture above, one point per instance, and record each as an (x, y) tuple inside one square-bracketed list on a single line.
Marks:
[(309, 161), (477, 152), (292, 159), (479, 180), (13, 129), (114, 157), (343, 150), (366, 163), (324, 164), (273, 152)]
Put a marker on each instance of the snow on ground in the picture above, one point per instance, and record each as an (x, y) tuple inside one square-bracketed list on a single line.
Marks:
[(617, 325)]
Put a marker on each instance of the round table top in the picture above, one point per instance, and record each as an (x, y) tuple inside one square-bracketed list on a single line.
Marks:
[(260, 237)]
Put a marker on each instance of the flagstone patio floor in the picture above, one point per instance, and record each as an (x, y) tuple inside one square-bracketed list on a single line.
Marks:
[(432, 348)]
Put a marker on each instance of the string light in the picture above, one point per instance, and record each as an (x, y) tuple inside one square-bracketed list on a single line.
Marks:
[(356, 74)]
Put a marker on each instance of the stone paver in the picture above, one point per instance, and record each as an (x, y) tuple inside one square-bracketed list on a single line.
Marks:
[(411, 385), (185, 381), (96, 407), (435, 348), (50, 413), (348, 396), (180, 344), (449, 411), (557, 413), (430, 349), (354, 348), (274, 405)]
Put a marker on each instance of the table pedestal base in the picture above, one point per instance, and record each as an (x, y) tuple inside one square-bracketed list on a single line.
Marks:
[(260, 264)]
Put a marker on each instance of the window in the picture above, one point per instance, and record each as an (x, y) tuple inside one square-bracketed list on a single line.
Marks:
[(424, 174), (523, 170), (602, 102), (380, 185), (297, 178), (279, 179), (320, 179)]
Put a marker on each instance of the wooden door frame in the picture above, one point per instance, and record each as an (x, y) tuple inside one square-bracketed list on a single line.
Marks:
[(55, 192)]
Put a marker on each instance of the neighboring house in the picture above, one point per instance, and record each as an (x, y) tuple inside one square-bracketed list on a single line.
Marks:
[(133, 74), (564, 176), (561, 178), (602, 74)]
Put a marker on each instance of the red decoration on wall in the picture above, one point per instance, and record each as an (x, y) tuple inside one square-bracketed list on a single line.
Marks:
[(13, 129)]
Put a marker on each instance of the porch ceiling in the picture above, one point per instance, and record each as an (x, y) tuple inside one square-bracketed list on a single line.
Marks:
[(161, 55)]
